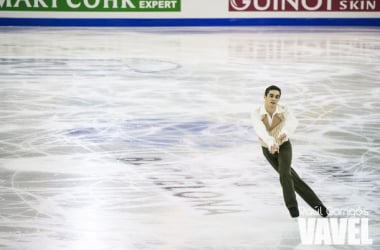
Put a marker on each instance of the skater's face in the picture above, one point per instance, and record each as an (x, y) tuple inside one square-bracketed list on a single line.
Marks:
[(272, 98)]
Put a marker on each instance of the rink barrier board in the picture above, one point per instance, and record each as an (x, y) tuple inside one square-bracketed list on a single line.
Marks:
[(165, 22)]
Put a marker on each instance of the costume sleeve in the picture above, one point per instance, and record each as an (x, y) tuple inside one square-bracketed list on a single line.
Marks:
[(261, 130), (291, 123)]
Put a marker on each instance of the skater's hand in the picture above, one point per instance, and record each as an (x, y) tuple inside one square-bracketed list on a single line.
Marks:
[(282, 136), (273, 149)]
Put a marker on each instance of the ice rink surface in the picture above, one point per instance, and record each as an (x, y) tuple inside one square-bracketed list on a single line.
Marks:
[(140, 138)]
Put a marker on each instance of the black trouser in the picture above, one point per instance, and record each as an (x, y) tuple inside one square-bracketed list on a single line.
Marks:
[(289, 179)]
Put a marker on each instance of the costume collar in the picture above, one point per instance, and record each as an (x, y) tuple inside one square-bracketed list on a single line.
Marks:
[(263, 111)]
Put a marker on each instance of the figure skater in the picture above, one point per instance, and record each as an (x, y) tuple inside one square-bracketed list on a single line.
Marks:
[(274, 124)]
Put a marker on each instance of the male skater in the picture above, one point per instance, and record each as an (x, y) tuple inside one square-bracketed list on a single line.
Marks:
[(274, 124)]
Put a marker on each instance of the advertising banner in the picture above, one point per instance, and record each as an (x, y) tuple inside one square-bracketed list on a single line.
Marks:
[(91, 5), (304, 5), (189, 12)]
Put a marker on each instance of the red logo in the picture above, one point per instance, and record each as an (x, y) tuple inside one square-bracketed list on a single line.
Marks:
[(304, 5)]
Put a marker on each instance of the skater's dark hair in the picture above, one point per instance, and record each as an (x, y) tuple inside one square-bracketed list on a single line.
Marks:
[(272, 87)]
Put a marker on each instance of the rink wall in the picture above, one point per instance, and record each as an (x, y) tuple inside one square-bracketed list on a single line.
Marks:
[(189, 12)]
